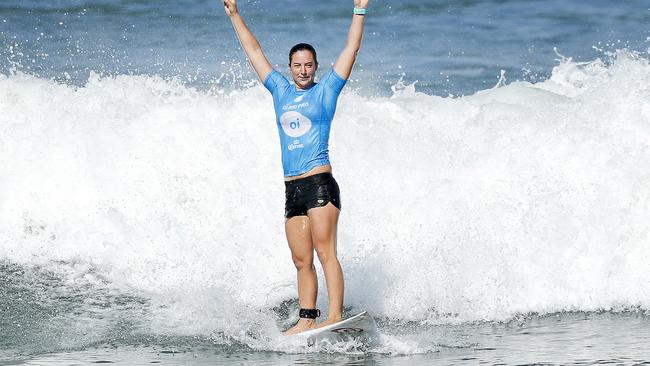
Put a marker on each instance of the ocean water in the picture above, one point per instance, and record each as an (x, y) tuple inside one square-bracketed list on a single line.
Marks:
[(493, 156)]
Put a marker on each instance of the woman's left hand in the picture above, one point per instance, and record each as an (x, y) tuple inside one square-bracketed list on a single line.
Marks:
[(362, 4)]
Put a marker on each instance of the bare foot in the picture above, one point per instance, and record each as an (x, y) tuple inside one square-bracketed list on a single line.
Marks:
[(301, 326), (330, 320)]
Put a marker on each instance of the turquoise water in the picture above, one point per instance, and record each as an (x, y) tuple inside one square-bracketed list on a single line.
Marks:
[(456, 47)]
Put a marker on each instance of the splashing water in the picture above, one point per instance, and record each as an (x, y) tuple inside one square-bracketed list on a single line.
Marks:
[(164, 204)]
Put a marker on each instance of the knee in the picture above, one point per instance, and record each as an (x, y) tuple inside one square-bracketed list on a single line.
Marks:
[(303, 262), (325, 254)]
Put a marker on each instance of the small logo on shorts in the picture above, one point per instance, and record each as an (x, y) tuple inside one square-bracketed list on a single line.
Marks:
[(320, 202)]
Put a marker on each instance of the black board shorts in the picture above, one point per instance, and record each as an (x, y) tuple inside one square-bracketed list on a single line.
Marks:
[(314, 191)]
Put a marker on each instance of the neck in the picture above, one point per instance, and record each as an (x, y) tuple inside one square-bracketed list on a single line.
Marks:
[(308, 86)]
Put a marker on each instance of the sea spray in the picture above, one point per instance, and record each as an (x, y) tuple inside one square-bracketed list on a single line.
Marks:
[(525, 198)]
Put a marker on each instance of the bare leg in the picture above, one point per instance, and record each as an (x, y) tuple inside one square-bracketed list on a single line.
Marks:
[(323, 225), (302, 253)]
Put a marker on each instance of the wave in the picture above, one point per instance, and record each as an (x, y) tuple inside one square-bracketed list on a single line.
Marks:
[(523, 198)]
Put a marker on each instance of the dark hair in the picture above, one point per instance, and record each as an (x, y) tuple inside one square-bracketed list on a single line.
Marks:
[(303, 47)]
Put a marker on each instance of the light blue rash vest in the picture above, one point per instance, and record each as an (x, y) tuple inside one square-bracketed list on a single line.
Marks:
[(304, 118)]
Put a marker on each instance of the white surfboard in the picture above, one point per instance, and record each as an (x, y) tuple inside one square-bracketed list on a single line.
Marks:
[(361, 326)]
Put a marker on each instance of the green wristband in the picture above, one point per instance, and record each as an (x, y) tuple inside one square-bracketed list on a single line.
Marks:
[(359, 11)]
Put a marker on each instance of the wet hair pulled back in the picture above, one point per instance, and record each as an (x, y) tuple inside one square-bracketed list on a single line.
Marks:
[(302, 47)]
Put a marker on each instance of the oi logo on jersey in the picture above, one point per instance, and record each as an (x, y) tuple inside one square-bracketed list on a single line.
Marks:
[(294, 124)]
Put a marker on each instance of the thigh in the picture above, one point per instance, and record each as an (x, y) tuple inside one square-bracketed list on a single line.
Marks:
[(298, 233), (323, 225)]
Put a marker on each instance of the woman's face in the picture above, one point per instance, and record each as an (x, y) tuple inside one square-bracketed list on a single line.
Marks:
[(303, 67)]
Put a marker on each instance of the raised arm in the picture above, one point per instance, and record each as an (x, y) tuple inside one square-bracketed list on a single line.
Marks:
[(345, 62), (248, 41)]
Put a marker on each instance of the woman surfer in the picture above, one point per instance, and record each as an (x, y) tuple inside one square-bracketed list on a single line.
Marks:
[(304, 112)]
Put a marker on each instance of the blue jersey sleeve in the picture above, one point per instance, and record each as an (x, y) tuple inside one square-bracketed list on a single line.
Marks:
[(332, 84), (275, 81), (333, 81)]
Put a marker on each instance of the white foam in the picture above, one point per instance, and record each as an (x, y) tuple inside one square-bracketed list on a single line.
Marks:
[(522, 198)]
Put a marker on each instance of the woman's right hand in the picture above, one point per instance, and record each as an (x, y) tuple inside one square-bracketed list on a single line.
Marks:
[(230, 6), (361, 4)]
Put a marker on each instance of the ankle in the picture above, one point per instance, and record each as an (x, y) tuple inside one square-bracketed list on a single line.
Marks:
[(335, 317)]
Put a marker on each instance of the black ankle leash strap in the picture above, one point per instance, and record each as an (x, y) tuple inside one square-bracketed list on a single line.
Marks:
[(309, 313)]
